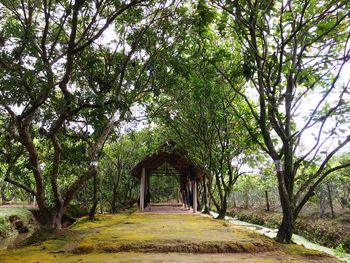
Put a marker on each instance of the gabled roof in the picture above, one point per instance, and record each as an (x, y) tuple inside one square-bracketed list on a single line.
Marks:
[(171, 154)]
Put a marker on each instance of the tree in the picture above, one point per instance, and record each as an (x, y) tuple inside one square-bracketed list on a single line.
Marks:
[(294, 52), (202, 122), (336, 187), (51, 105)]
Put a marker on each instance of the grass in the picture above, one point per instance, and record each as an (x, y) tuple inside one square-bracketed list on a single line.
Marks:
[(165, 237), (8, 211)]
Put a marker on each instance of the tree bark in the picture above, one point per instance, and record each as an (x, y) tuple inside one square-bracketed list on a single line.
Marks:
[(234, 200), (267, 201), (223, 208), (56, 221), (246, 198), (50, 218), (92, 211), (330, 200), (285, 231), (114, 199), (322, 204), (205, 196)]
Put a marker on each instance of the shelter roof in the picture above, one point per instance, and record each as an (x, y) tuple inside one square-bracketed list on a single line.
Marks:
[(171, 154)]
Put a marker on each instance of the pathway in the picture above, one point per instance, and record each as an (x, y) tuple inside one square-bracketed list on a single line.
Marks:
[(167, 208), (159, 237)]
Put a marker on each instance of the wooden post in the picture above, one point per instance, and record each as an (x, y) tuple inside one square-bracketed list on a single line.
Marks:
[(146, 188), (194, 192), (142, 189), (189, 185)]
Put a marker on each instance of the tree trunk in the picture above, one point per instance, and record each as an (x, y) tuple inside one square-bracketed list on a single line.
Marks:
[(114, 199), (246, 198), (57, 215), (221, 214), (322, 203), (267, 201), (101, 202), (285, 231), (223, 208), (205, 196), (212, 199), (50, 217), (234, 200), (92, 211), (131, 187), (330, 200)]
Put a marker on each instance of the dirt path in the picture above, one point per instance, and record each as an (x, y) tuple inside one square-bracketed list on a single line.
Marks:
[(148, 237), (167, 208), (32, 207)]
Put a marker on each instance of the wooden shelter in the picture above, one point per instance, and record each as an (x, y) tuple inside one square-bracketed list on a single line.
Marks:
[(188, 172)]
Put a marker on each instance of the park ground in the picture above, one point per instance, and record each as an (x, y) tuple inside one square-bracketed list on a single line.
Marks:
[(148, 237)]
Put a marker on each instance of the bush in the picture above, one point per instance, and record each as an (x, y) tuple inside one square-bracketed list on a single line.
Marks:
[(14, 220), (327, 232), (259, 217)]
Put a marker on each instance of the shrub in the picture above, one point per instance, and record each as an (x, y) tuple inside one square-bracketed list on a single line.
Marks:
[(327, 232)]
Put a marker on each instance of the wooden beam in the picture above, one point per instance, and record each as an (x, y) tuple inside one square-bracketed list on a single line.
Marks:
[(188, 195), (142, 189)]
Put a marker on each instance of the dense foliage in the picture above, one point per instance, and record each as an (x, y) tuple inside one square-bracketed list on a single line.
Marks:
[(327, 232)]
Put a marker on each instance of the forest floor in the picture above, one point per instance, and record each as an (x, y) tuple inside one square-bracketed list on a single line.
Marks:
[(147, 237)]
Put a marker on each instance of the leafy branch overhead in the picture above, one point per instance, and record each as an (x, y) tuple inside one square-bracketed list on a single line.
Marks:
[(246, 86)]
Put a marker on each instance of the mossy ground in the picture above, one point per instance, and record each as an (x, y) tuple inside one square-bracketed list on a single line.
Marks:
[(5, 226), (8, 231), (158, 238)]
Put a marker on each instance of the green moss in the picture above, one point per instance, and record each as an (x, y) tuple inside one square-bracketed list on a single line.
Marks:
[(294, 249), (101, 221), (8, 211), (8, 231), (126, 237)]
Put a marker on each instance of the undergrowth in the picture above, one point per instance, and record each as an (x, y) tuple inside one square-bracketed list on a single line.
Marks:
[(327, 232), (21, 219)]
